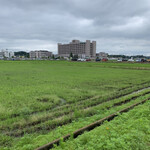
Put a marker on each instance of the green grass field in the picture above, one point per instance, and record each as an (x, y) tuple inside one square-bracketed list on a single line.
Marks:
[(44, 100), (127, 131)]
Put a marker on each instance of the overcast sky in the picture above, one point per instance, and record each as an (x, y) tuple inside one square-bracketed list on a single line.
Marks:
[(118, 26)]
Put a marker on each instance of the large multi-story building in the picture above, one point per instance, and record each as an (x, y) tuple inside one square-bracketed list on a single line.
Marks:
[(40, 54), (82, 49)]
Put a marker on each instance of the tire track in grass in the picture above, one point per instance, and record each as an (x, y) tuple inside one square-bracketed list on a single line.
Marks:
[(37, 127), (66, 106), (70, 112), (60, 113), (88, 127), (79, 102)]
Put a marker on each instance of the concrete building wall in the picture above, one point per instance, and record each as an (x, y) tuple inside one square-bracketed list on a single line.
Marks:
[(94, 48), (11, 54), (1, 55), (87, 48), (32, 54), (6, 54)]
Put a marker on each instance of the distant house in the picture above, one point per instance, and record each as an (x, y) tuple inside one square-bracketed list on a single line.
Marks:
[(40, 54)]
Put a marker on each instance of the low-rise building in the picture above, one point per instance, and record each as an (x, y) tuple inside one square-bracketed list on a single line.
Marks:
[(40, 54), (102, 55)]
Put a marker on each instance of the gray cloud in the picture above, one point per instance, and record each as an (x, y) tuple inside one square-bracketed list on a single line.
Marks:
[(118, 26)]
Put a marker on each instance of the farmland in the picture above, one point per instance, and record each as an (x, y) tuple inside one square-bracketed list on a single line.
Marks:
[(44, 100)]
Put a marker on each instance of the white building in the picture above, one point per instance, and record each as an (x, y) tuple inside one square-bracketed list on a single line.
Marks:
[(6, 54), (11, 54)]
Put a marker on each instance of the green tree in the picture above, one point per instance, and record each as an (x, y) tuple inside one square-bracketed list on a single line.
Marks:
[(71, 55), (53, 56)]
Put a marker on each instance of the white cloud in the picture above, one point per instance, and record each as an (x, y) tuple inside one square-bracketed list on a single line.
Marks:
[(85, 22)]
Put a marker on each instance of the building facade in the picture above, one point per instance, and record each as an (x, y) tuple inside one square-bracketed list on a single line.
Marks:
[(6, 54), (102, 55), (1, 55), (82, 49), (40, 54)]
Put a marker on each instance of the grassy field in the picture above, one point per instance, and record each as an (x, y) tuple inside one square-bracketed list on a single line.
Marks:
[(43, 100)]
